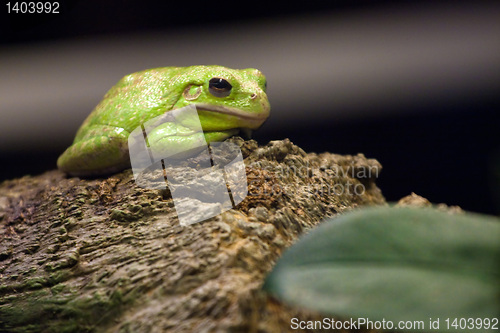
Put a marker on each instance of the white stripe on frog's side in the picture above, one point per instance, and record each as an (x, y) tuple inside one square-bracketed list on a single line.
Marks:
[(232, 111)]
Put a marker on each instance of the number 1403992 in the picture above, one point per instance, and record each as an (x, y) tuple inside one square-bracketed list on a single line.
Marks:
[(33, 7), (471, 323)]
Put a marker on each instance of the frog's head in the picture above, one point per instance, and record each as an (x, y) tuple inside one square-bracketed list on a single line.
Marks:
[(225, 98)]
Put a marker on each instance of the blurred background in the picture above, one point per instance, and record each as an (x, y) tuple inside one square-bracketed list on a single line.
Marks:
[(412, 84)]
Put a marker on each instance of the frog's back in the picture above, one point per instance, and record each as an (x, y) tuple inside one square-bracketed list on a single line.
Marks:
[(134, 99)]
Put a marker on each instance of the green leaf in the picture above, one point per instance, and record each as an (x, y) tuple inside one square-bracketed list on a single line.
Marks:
[(397, 264)]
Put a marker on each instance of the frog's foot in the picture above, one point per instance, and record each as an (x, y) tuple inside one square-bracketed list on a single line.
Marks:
[(97, 154), (213, 136), (184, 144)]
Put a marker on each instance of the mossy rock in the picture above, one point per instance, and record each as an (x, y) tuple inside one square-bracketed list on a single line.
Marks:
[(103, 255)]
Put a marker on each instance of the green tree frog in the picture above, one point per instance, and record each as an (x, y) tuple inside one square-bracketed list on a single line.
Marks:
[(227, 100)]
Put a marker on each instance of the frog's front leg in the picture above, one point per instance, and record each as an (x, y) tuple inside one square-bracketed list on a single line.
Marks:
[(174, 139), (103, 149)]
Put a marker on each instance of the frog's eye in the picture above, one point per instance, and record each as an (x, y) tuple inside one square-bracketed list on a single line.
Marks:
[(219, 87)]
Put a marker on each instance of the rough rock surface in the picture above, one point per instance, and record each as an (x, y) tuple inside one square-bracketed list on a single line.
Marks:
[(103, 255)]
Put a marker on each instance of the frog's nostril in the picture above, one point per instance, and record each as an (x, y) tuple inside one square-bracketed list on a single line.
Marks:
[(253, 96)]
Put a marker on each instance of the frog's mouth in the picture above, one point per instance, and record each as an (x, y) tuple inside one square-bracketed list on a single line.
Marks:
[(223, 117)]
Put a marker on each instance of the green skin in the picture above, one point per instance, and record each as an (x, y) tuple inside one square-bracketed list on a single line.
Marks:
[(101, 144)]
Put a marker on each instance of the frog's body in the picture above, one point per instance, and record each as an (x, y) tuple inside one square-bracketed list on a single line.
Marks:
[(226, 99)]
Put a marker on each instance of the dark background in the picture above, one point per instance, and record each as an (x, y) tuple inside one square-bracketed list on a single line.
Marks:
[(94, 17), (446, 149)]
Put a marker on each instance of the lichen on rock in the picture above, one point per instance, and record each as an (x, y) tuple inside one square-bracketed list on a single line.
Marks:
[(104, 255)]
